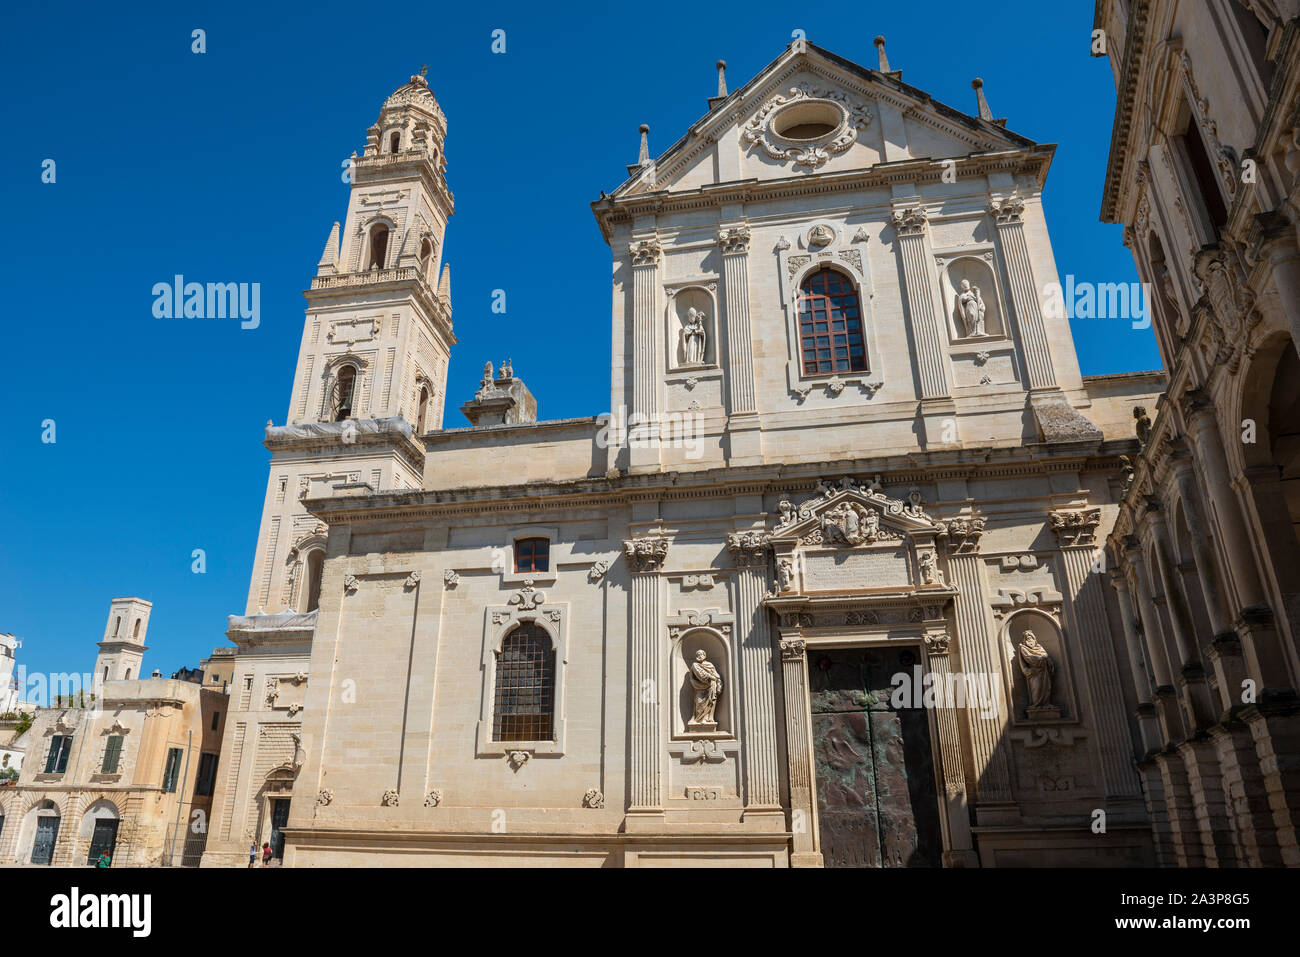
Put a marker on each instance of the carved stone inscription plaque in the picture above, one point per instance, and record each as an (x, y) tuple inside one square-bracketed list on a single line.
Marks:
[(845, 570)]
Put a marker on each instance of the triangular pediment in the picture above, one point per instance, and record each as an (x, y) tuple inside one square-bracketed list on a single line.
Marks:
[(810, 111)]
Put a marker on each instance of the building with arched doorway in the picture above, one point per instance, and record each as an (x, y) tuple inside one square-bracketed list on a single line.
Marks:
[(850, 460), (130, 771), (1204, 173)]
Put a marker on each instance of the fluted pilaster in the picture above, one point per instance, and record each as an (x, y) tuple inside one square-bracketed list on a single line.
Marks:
[(1009, 215), (1076, 533), (749, 550)]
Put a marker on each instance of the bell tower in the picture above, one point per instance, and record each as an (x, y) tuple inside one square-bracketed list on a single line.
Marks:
[(121, 652), (372, 367)]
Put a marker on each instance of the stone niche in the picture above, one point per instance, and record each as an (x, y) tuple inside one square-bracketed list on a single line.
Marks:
[(681, 302), (714, 646), (978, 273), (1059, 705)]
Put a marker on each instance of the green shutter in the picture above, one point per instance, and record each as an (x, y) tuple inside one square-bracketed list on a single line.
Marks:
[(52, 759), (64, 751), (173, 769), (111, 754)]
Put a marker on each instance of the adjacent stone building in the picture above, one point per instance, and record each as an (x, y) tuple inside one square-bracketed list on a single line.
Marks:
[(849, 457), (1204, 172), (130, 771)]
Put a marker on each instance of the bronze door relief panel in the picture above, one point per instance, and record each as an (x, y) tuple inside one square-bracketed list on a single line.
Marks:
[(877, 799)]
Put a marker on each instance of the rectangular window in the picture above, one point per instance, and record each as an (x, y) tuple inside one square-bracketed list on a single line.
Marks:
[(532, 555), (1204, 175), (207, 779), (172, 771), (216, 719), (112, 751), (56, 762)]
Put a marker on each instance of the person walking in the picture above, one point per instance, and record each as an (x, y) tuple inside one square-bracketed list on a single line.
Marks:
[(104, 860), (266, 854), (252, 854)]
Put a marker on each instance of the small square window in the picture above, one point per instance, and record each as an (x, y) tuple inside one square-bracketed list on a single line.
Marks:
[(532, 555)]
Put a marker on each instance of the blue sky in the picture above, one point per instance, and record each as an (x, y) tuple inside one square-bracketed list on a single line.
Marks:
[(225, 166)]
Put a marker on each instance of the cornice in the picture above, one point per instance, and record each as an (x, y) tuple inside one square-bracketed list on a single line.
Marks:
[(615, 210), (599, 493), (1125, 102)]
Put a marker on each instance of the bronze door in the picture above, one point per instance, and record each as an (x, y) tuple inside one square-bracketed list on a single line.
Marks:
[(877, 802)]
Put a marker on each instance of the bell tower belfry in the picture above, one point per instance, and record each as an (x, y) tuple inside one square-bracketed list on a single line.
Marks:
[(372, 367), (121, 652)]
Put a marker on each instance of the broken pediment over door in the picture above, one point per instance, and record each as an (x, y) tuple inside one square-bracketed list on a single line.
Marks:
[(853, 539)]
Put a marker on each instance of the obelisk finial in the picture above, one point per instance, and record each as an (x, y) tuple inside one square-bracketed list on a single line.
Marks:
[(884, 60)]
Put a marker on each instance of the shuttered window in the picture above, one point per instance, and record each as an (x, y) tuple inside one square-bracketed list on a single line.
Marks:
[(207, 779), (172, 771), (56, 762), (112, 751)]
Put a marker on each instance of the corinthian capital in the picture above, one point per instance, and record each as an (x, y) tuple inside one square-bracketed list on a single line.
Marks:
[(646, 554), (646, 252), (1009, 209), (792, 648), (963, 534), (748, 548), (1075, 527), (910, 222), (735, 240)]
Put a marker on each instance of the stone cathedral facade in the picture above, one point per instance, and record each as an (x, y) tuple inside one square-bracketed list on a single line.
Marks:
[(850, 460)]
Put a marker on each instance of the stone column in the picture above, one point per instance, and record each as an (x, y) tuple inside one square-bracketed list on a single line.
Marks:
[(798, 747), (644, 403), (645, 558), (960, 851), (1190, 671), (1246, 791), (749, 551), (1009, 215), (1198, 535), (1076, 533), (938, 410), (979, 655), (1166, 697), (742, 424), (1210, 803), (1148, 724)]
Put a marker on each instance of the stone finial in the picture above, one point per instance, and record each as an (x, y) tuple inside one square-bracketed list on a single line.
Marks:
[(643, 157), (722, 78), (444, 284), (978, 86), (329, 258), (880, 50)]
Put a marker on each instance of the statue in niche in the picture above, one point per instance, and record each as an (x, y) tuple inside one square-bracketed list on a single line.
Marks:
[(1037, 667), (785, 567), (707, 684), (971, 305), (929, 569), (693, 336)]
